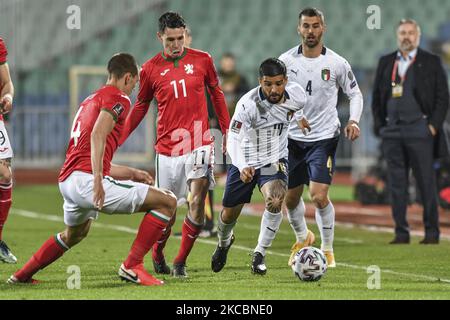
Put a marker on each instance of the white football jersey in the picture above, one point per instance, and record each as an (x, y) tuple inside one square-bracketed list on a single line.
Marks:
[(321, 78), (258, 133)]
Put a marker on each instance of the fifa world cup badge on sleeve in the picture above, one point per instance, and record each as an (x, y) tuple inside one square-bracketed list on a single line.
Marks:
[(118, 109), (236, 126)]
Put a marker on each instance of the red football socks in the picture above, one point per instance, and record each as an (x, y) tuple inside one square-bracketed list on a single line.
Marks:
[(150, 230), (189, 234), (158, 247), (50, 251), (5, 204)]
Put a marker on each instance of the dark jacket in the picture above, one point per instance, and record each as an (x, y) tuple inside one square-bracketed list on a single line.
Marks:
[(430, 90)]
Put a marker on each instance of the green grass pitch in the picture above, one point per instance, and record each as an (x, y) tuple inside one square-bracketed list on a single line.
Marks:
[(407, 272)]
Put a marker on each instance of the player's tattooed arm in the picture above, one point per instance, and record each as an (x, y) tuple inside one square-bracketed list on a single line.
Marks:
[(274, 192)]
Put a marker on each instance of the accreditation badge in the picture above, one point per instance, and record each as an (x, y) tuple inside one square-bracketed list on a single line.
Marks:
[(397, 90)]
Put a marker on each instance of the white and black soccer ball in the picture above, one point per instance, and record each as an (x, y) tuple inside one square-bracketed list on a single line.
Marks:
[(309, 264)]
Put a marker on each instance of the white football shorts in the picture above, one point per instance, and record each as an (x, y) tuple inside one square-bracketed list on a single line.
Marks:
[(176, 173), (5, 146), (121, 197)]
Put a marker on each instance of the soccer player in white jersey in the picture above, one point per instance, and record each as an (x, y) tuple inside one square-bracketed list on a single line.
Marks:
[(258, 147), (320, 71)]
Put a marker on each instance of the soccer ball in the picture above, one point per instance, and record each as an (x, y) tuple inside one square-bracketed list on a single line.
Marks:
[(309, 264)]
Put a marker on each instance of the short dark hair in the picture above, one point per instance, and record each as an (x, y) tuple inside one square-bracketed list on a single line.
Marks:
[(171, 20), (272, 67), (120, 64), (312, 12)]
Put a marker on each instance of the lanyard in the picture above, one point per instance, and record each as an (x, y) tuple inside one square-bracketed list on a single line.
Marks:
[(394, 72)]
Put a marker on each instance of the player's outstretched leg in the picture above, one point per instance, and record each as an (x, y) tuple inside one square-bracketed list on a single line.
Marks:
[(160, 206), (192, 225), (226, 222), (296, 216), (50, 251), (5, 204), (274, 192), (325, 217)]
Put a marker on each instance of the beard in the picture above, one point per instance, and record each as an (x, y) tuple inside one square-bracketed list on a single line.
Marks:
[(312, 41), (274, 98), (406, 45)]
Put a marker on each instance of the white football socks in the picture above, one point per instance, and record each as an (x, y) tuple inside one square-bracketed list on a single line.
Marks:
[(297, 221), (224, 232), (325, 222), (270, 223)]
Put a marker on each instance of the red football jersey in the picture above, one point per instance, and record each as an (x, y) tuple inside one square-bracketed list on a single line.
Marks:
[(78, 155), (178, 85), (3, 52), (3, 60)]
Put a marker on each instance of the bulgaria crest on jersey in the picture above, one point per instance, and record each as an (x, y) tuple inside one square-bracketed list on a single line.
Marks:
[(326, 74)]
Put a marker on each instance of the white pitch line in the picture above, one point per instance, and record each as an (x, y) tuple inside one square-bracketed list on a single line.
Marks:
[(54, 218)]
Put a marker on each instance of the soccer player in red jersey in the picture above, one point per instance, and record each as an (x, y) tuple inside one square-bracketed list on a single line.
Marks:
[(87, 180), (6, 154), (177, 78)]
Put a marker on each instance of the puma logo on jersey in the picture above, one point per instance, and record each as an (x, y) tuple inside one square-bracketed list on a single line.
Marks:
[(189, 68), (165, 72), (294, 71)]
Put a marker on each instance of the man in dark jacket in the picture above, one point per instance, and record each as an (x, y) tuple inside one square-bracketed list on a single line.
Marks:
[(410, 102)]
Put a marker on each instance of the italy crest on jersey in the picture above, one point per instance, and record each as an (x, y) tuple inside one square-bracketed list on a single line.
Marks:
[(326, 74), (290, 115)]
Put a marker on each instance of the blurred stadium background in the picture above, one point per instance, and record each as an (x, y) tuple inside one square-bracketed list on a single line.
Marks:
[(43, 51)]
